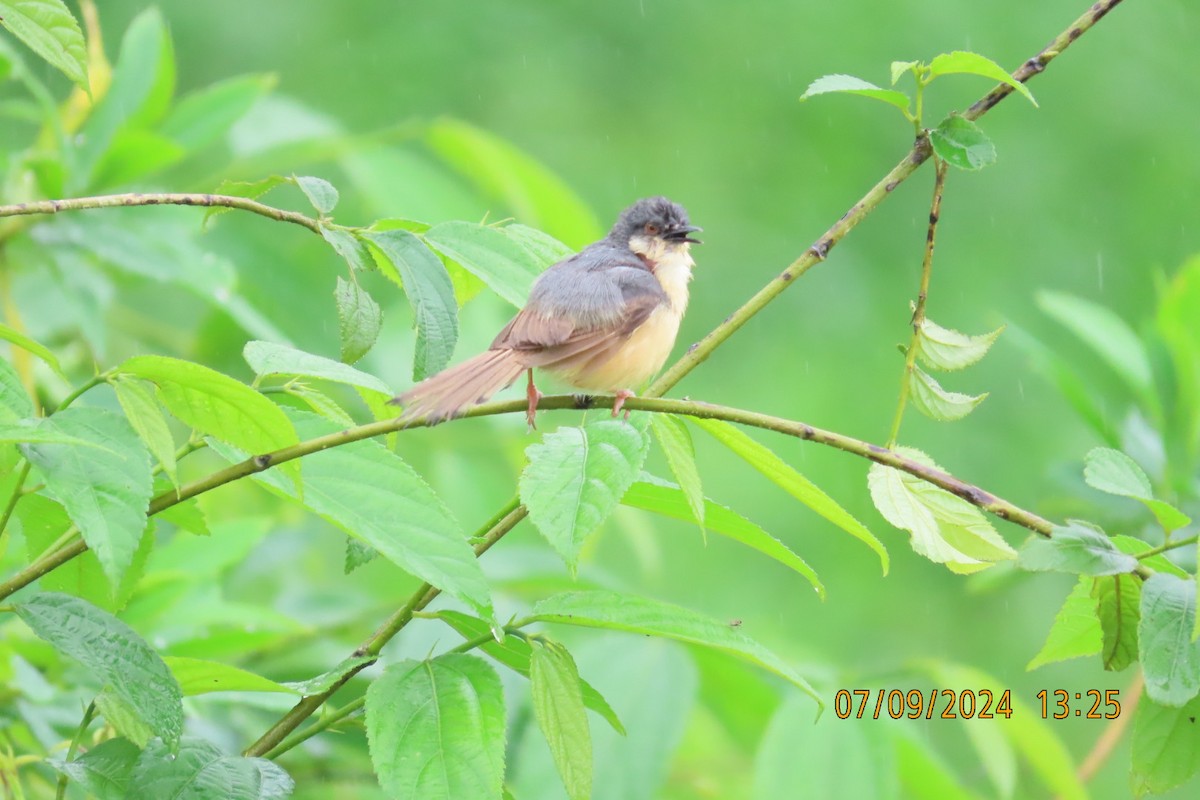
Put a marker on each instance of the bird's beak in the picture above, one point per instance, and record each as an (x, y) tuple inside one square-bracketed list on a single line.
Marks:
[(681, 234)]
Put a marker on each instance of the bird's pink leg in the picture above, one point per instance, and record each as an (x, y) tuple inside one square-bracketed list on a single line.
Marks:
[(532, 393), (622, 396)]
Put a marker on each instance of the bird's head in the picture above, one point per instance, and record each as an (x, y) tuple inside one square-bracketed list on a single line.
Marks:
[(654, 225)]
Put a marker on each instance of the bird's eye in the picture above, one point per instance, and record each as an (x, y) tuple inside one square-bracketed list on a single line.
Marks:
[(651, 229)]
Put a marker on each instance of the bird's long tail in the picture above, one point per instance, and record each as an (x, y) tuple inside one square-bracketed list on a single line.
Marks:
[(453, 390)]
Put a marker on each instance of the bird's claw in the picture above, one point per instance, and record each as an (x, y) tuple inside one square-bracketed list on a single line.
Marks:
[(622, 396)]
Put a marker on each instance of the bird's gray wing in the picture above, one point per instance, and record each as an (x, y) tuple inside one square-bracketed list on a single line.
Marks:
[(602, 292)]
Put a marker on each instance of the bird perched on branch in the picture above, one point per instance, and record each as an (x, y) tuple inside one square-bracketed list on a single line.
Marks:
[(603, 320)]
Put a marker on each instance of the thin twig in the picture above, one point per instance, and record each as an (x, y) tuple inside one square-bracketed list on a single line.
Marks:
[(918, 317), (1170, 544), (1107, 741), (160, 199)]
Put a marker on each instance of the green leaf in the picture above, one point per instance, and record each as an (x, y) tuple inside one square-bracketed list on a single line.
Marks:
[(651, 494), (1114, 472), (200, 772), (113, 653), (974, 64), (320, 192), (1079, 548), (217, 405), (204, 116), (544, 249), (605, 609), (326, 680), (349, 246), (1107, 335), (516, 654), (848, 84), (961, 143), (134, 154), (945, 349), (198, 676), (1166, 746), (899, 68), (359, 320), (250, 189), (778, 472), (49, 30), (372, 494), (1076, 630), (921, 772), (833, 758), (430, 293), (40, 430), (268, 358), (1082, 398), (436, 728), (1170, 659), (505, 266), (935, 402), (576, 477), (945, 528), (676, 444), (123, 717), (534, 194), (25, 343), (357, 554), (146, 417), (1118, 606), (105, 489), (103, 771), (321, 403), (558, 708), (15, 404)]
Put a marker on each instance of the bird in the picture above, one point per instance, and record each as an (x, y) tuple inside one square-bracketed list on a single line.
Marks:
[(603, 320)]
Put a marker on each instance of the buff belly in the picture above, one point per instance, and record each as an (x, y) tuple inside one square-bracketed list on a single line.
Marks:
[(629, 364)]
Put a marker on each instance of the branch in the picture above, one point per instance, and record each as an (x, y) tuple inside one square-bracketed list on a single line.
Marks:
[(160, 199)]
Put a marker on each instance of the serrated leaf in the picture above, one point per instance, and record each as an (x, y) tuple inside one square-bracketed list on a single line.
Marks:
[(605, 609), (427, 285), (505, 266), (113, 653), (784, 476), (146, 417), (848, 84), (545, 250), (350, 247), (898, 69), (371, 493), (39, 430), (558, 708), (515, 653), (921, 772), (105, 489), (325, 681), (250, 189), (1118, 607), (945, 349), (199, 771), (201, 118), (25, 343), (933, 401), (963, 144), (575, 477), (15, 404), (320, 192), (945, 528), (1076, 630), (359, 320), (1109, 336), (1166, 746), (269, 358), (964, 62), (216, 404), (1079, 548), (49, 29), (1170, 659), (103, 771), (123, 717), (676, 444), (669, 500), (321, 403), (436, 728), (200, 676), (1114, 472)]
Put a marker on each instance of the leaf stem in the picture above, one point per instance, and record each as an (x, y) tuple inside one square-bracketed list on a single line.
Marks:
[(16, 495), (160, 199), (1170, 544), (918, 317), (88, 714), (325, 723), (1107, 741), (83, 388)]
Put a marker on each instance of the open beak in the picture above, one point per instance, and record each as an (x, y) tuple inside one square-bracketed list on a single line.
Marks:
[(681, 234)]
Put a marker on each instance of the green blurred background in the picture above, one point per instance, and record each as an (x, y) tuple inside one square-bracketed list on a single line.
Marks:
[(1095, 193)]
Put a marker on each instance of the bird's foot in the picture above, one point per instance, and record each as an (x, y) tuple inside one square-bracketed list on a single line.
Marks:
[(622, 396), (534, 397)]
